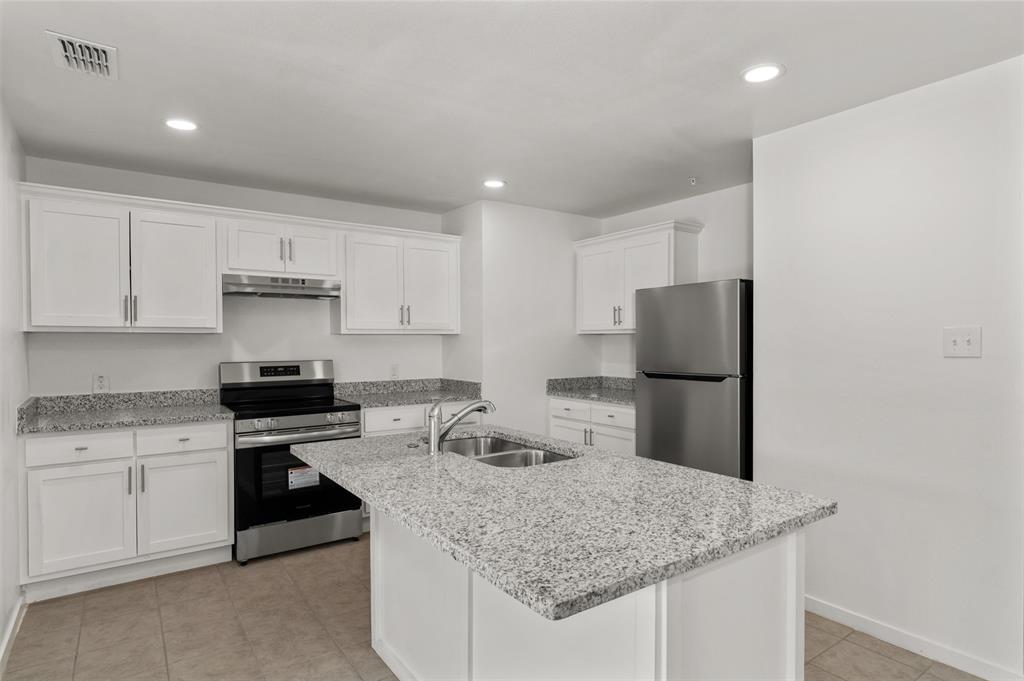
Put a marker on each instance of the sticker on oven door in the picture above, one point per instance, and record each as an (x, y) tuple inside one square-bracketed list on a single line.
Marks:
[(305, 476)]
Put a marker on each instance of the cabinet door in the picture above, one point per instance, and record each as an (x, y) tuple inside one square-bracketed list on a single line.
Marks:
[(174, 271), (313, 252), (574, 431), (78, 264), (183, 500), (618, 440), (598, 286), (80, 515), (431, 284), (646, 262), (373, 282), (256, 246)]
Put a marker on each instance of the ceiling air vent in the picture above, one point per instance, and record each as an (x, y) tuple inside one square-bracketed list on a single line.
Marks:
[(83, 56)]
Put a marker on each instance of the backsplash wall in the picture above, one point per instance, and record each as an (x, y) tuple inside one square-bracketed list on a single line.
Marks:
[(254, 329)]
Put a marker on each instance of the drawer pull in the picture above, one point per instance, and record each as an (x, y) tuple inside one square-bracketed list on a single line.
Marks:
[(611, 416), (184, 439), (396, 420), (567, 408), (81, 449)]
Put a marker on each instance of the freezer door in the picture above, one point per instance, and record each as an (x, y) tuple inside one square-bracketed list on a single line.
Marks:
[(697, 421), (695, 328)]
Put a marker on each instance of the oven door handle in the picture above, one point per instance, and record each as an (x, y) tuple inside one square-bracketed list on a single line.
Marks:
[(246, 441)]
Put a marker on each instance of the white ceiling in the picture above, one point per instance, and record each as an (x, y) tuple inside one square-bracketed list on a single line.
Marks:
[(592, 108)]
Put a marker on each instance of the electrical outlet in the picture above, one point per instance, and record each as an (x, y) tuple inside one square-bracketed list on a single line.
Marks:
[(100, 384), (961, 341), (394, 370)]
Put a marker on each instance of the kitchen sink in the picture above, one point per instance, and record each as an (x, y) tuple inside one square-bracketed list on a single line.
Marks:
[(521, 458), (495, 451)]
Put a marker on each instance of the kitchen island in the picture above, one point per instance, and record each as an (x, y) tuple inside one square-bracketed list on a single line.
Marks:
[(596, 567)]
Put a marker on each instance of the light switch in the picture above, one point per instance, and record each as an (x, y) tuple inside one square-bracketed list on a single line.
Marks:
[(961, 341)]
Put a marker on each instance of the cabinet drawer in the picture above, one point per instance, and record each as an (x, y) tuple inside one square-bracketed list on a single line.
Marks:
[(393, 418), (77, 448), (613, 416), (192, 437), (567, 409)]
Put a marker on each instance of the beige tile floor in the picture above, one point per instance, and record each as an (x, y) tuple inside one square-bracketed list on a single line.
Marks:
[(302, 616)]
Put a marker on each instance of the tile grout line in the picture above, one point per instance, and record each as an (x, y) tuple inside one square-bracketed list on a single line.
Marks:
[(238, 617)]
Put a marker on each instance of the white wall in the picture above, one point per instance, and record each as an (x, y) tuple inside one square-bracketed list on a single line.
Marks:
[(529, 303), (13, 374), (462, 354), (254, 329), (725, 251), (873, 229)]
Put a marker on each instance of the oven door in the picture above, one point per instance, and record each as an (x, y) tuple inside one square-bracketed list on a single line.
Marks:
[(272, 486)]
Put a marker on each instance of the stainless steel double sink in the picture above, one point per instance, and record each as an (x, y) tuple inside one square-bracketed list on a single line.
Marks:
[(496, 451)]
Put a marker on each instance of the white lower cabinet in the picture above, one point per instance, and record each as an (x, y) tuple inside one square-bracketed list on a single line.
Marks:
[(610, 427), (408, 418), (80, 515), (92, 500), (182, 500)]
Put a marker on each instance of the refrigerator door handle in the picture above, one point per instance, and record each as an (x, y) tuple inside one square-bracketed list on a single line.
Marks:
[(708, 378)]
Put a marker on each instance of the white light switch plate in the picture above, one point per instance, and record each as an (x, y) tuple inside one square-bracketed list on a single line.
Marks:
[(961, 341), (100, 383)]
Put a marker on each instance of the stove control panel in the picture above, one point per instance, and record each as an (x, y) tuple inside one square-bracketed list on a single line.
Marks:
[(297, 421)]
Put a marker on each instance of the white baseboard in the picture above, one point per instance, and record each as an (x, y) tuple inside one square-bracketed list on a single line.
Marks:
[(912, 642), (392, 660), (10, 631), (63, 586)]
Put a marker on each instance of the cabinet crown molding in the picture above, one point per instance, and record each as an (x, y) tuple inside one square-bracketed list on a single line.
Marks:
[(32, 190), (674, 225)]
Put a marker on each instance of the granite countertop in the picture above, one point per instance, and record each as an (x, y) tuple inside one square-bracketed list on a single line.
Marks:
[(99, 419), (70, 413), (610, 389), (397, 393), (563, 537)]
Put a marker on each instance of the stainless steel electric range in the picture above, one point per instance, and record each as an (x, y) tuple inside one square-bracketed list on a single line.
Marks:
[(281, 503)]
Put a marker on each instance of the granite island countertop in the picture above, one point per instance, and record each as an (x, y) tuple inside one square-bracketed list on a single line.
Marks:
[(71, 413), (563, 537)]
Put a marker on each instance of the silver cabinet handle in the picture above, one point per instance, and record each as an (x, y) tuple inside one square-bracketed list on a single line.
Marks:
[(142, 478), (126, 318), (408, 315), (401, 314), (129, 480), (615, 320), (81, 449), (135, 308), (280, 252), (184, 439), (291, 250), (397, 419)]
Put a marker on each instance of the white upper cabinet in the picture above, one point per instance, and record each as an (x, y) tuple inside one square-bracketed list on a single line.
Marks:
[(400, 285), (373, 282), (174, 271), (271, 247), (78, 264), (610, 269), (255, 246), (106, 267), (431, 281)]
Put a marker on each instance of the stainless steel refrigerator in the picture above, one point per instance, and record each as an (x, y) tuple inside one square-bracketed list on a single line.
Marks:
[(693, 375)]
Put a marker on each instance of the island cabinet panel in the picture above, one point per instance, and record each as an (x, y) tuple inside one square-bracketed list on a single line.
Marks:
[(615, 640), (429, 640), (740, 617)]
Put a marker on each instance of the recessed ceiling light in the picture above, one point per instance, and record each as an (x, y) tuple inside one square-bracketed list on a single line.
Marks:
[(495, 184), (180, 124), (762, 73)]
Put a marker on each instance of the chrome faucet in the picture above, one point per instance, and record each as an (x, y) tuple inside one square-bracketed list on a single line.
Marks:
[(439, 429)]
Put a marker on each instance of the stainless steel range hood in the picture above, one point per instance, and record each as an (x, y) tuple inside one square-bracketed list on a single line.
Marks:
[(281, 287)]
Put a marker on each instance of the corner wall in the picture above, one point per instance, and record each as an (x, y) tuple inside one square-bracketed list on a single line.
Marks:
[(13, 366), (873, 229), (724, 251)]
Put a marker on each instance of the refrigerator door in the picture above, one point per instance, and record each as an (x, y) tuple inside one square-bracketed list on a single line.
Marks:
[(694, 328), (696, 421)]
